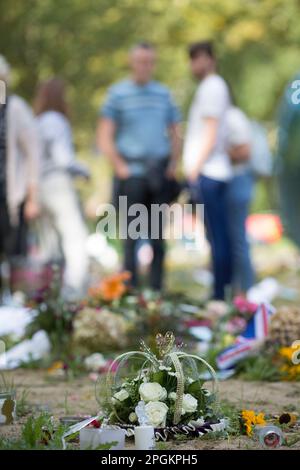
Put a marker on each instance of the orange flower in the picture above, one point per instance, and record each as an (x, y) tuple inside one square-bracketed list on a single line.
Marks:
[(56, 366), (111, 287)]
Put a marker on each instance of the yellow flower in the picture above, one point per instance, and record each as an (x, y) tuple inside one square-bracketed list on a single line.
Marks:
[(291, 371), (260, 419), (286, 352), (56, 366), (250, 419)]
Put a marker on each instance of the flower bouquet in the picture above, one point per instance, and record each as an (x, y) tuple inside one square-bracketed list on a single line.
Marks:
[(99, 330), (168, 387)]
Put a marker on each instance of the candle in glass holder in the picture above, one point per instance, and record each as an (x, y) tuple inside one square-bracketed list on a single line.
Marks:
[(111, 434), (89, 438), (144, 438)]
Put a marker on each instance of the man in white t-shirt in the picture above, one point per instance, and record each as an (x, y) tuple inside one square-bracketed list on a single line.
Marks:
[(206, 162)]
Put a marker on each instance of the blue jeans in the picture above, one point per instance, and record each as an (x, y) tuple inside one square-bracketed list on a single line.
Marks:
[(239, 196), (212, 194)]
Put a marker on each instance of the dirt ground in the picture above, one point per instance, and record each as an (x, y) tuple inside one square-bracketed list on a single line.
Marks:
[(77, 397)]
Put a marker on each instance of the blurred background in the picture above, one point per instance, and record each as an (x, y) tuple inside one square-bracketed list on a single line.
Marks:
[(86, 42)]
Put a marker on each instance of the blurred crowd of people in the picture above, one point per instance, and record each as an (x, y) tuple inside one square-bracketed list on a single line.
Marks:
[(139, 131)]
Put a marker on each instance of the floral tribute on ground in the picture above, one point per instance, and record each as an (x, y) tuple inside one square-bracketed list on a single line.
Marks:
[(168, 385)]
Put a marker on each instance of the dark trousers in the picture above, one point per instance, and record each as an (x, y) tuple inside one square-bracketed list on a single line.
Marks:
[(5, 229), (140, 191), (212, 194), (12, 238)]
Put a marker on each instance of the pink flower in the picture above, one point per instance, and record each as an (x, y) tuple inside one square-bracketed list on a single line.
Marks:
[(236, 325), (93, 376), (243, 305), (106, 367)]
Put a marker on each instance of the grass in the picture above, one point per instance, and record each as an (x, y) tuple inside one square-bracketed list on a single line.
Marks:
[(23, 406), (38, 433), (42, 433), (258, 368)]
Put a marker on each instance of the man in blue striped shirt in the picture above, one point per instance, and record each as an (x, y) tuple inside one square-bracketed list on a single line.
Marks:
[(138, 132)]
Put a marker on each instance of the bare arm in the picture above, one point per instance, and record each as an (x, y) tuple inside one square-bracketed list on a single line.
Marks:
[(106, 142), (207, 145)]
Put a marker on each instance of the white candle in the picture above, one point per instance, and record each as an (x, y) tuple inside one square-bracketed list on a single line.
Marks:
[(111, 434), (89, 438), (144, 438)]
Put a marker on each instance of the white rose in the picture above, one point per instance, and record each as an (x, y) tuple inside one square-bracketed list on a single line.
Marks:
[(189, 403), (94, 362), (156, 412), (121, 395), (172, 396), (152, 391), (132, 417)]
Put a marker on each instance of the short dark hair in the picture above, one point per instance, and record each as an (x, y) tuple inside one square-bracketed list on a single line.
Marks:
[(50, 96), (201, 47)]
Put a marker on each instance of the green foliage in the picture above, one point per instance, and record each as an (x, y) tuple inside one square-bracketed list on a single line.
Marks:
[(23, 407), (230, 412), (54, 316), (41, 433), (259, 368), (38, 433), (87, 42), (195, 388)]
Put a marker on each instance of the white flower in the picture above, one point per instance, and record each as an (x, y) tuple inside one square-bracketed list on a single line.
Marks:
[(189, 404), (152, 391), (121, 395), (132, 417), (173, 374), (164, 368), (156, 412), (172, 396), (94, 362)]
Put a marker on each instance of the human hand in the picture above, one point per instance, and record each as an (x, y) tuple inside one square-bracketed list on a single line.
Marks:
[(193, 175), (31, 209), (122, 171), (171, 171)]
